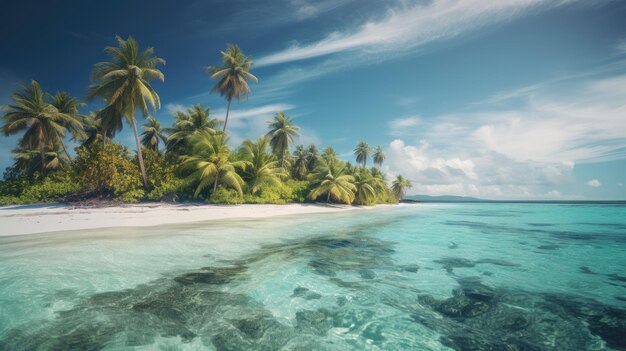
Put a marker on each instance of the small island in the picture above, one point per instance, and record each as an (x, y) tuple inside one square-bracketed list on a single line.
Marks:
[(193, 160)]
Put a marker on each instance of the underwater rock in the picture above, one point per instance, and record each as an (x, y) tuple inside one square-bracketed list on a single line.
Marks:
[(211, 275), (305, 294), (453, 246), (606, 321), (449, 263), (367, 274), (497, 262), (586, 270), (548, 247), (616, 277), (412, 268), (318, 322)]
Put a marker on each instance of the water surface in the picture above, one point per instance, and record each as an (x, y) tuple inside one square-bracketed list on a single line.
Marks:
[(411, 277)]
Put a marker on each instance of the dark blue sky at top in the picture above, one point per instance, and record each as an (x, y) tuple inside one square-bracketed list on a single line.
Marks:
[(57, 42)]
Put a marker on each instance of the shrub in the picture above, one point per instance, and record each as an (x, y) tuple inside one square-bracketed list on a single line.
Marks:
[(225, 196), (298, 190), (108, 170)]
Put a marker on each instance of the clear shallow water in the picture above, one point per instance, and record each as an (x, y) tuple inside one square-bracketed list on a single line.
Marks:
[(423, 277)]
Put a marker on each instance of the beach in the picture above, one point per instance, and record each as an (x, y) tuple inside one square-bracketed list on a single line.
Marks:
[(31, 219)]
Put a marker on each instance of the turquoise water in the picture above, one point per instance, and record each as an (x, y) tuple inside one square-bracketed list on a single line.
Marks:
[(410, 277)]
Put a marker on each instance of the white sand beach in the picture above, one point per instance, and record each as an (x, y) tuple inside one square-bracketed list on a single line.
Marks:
[(30, 219)]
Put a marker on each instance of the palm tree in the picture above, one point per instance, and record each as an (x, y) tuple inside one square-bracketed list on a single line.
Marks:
[(300, 163), (312, 155), (362, 152), (43, 125), (329, 155), (400, 186), (262, 168), (69, 105), (379, 156), (367, 187), (28, 161), (282, 131), (123, 83), (233, 76), (152, 134), (330, 180), (210, 164), (186, 123)]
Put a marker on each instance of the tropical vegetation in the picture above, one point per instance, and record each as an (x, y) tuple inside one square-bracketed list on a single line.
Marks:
[(191, 160)]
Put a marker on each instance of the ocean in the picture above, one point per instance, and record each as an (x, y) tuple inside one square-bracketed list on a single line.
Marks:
[(470, 276)]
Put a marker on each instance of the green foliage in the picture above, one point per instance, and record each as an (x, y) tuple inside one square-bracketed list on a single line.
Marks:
[(163, 182), (298, 190), (53, 188), (225, 196), (282, 131), (108, 170)]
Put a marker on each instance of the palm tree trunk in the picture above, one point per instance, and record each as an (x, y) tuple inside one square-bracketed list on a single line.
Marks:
[(227, 111), (215, 182), (139, 155), (42, 159), (328, 197)]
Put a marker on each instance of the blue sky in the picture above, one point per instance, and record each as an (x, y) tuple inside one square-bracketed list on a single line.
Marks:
[(508, 99)]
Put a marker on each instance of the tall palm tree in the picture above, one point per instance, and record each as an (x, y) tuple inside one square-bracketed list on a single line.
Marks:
[(43, 125), (379, 156), (152, 134), (400, 186), (300, 163), (362, 152), (186, 123), (124, 84), (282, 131), (262, 169), (210, 164), (312, 155), (330, 180), (233, 76)]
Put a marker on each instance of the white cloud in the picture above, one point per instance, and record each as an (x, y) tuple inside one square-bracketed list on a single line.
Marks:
[(398, 125), (409, 27), (171, 108), (513, 153), (594, 183)]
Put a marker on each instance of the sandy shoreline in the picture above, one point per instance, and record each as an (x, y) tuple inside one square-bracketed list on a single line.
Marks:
[(20, 220)]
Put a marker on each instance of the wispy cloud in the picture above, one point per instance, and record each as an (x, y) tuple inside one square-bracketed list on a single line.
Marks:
[(409, 27)]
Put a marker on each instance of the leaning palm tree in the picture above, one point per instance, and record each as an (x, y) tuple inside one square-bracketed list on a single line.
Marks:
[(124, 84), (330, 180), (152, 134), (44, 126), (233, 76), (282, 131), (362, 152), (210, 165), (400, 186), (262, 170), (379, 156)]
